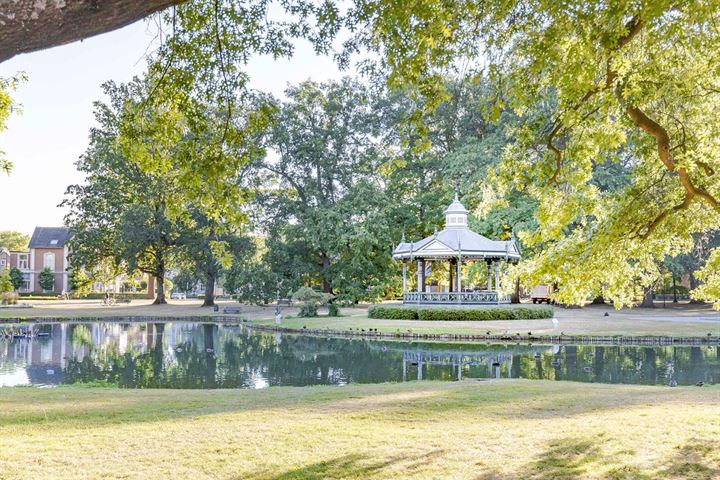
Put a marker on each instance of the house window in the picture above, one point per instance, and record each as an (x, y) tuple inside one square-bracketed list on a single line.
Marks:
[(23, 261), (26, 282), (53, 242), (49, 261), (2, 262)]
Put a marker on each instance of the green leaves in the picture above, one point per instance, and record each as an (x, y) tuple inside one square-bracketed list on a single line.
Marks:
[(8, 107)]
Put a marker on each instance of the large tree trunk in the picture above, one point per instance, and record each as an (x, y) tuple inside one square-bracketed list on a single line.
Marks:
[(515, 297), (30, 25), (209, 299), (327, 286), (160, 297), (647, 301)]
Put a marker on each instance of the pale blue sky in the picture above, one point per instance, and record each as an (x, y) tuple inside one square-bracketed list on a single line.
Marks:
[(46, 139)]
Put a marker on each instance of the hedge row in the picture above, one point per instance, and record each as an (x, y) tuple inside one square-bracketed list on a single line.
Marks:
[(392, 313), (89, 296), (475, 313)]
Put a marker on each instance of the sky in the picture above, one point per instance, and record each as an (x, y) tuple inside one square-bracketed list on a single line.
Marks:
[(51, 132)]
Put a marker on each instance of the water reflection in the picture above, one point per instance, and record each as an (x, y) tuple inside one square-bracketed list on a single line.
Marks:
[(188, 355)]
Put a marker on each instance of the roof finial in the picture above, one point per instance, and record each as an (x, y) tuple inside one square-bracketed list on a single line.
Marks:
[(402, 240), (457, 189)]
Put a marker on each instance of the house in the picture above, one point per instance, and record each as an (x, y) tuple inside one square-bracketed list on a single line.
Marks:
[(19, 260), (48, 249)]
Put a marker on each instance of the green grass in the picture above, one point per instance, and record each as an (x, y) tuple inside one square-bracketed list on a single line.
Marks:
[(475, 430), (571, 323)]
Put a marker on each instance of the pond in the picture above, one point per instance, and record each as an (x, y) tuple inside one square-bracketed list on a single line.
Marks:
[(206, 355)]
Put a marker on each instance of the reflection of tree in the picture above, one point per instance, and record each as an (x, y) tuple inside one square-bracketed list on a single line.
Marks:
[(208, 356), (80, 336)]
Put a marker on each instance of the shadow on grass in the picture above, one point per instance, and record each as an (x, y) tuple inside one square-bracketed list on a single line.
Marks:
[(572, 458), (351, 466), (564, 459), (697, 460)]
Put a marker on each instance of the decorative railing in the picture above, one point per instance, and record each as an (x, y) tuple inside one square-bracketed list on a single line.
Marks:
[(488, 297)]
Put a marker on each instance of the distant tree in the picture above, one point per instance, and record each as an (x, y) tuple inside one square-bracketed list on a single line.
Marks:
[(13, 240), (325, 218), (80, 283), (47, 279), (125, 210), (207, 247), (185, 280), (16, 277), (252, 281)]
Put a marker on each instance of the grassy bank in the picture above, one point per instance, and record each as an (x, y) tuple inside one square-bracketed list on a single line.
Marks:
[(678, 321), (478, 430), (586, 322)]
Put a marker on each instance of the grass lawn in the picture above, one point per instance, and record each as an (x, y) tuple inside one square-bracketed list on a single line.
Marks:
[(680, 321), (475, 430), (587, 321)]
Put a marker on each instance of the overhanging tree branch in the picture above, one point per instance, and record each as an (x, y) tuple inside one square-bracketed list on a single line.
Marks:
[(30, 25), (633, 27)]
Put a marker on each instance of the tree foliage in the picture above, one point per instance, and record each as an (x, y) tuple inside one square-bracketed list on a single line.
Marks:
[(590, 84), (325, 204), (16, 278), (46, 279), (6, 284), (8, 107), (14, 241)]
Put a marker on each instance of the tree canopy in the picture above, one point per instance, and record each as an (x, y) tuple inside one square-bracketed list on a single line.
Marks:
[(598, 120), (13, 240)]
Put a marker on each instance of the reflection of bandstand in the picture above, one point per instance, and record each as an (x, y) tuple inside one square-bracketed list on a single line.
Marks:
[(455, 244), (457, 360)]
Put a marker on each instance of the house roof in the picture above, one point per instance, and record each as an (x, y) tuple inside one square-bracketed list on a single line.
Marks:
[(457, 240), (49, 237)]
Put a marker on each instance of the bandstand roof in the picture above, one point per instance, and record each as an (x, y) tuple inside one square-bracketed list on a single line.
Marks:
[(456, 239)]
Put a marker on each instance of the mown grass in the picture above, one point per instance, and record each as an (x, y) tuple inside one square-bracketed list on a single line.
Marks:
[(570, 323), (475, 430), (680, 321)]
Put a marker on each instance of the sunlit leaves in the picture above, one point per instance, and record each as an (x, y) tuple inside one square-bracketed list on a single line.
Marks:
[(7, 107)]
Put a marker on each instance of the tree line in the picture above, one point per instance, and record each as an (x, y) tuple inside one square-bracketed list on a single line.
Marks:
[(609, 134), (317, 196)]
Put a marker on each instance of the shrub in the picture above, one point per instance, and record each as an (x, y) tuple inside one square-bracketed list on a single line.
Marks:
[(311, 300), (46, 279), (9, 298), (5, 281), (101, 296), (333, 310), (474, 313), (393, 312), (308, 310)]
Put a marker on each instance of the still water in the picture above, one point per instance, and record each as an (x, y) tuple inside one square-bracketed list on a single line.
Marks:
[(202, 355)]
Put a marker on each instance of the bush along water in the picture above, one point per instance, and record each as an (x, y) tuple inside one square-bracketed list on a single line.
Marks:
[(311, 300), (472, 314)]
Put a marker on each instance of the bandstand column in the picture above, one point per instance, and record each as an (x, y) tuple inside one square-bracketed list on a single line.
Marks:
[(489, 272), (420, 271), (404, 279), (497, 275), (450, 276), (459, 275)]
